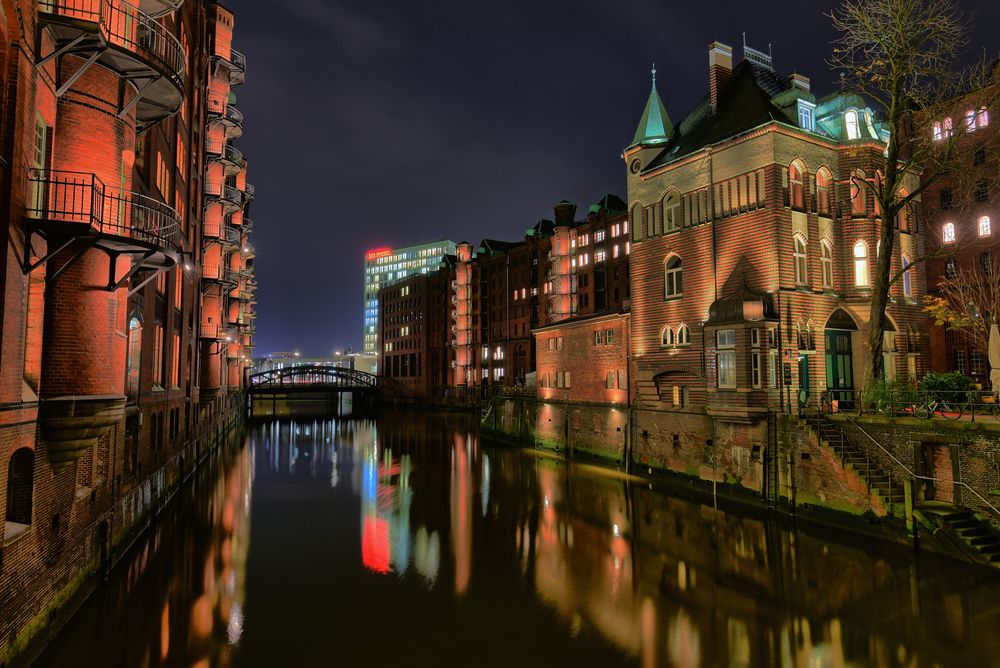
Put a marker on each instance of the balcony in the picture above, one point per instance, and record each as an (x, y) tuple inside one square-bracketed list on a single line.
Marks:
[(124, 39), (248, 192), (247, 225), (158, 8), (222, 152), (229, 197), (213, 274), (216, 332), (235, 66), (77, 205), (220, 111)]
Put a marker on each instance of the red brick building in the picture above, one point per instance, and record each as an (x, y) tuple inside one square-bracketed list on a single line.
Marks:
[(961, 218), (126, 314), (584, 359), (753, 247)]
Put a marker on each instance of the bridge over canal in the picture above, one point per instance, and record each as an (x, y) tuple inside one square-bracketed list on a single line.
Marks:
[(311, 390)]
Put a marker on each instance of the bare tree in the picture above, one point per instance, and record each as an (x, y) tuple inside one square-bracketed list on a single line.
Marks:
[(969, 302), (904, 58)]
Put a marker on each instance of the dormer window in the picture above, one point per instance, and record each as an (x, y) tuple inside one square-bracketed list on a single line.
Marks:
[(851, 124), (807, 120)]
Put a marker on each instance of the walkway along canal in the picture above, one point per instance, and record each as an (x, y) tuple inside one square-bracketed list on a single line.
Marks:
[(408, 538)]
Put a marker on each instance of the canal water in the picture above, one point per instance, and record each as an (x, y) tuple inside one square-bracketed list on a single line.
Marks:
[(408, 540)]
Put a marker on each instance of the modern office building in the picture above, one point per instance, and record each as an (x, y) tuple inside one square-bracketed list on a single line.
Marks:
[(384, 266)]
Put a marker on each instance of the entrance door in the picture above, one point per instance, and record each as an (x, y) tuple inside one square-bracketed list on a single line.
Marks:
[(839, 369)]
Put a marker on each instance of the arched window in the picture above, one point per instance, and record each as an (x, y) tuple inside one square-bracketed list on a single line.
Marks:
[(799, 253), (903, 216), (861, 279), (983, 117), (824, 182), (851, 125), (683, 336), (985, 229), (672, 211), (134, 360), (826, 258), (673, 278), (948, 233), (796, 190), (858, 206), (667, 336), (907, 280), (20, 486)]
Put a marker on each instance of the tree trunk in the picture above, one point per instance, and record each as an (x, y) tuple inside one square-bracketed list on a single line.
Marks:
[(880, 299)]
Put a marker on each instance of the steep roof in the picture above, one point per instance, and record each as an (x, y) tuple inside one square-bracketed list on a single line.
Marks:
[(745, 104), (654, 126)]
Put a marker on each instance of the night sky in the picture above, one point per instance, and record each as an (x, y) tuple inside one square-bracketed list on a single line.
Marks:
[(389, 122)]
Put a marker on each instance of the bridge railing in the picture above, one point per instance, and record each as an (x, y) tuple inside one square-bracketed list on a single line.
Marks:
[(313, 376)]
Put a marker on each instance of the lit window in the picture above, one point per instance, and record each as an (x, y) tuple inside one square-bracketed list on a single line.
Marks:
[(796, 191), (970, 120), (948, 130), (615, 251), (673, 278), (861, 264), (826, 259), (983, 117), (600, 256), (907, 280), (948, 233), (937, 131), (805, 115), (858, 207), (598, 236), (851, 124), (984, 226), (799, 252), (823, 184)]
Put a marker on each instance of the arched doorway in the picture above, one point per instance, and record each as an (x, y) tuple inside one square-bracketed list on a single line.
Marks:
[(20, 486), (839, 334)]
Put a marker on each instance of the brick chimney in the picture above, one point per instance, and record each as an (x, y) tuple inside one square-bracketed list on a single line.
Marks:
[(720, 70)]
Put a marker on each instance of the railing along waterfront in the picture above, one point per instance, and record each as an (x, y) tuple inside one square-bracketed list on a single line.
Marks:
[(126, 28), (80, 197), (914, 402)]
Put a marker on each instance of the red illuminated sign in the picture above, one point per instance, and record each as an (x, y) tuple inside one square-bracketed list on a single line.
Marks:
[(378, 253)]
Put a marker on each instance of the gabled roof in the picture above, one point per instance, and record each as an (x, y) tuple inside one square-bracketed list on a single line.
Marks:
[(745, 104), (611, 204), (494, 246), (654, 126)]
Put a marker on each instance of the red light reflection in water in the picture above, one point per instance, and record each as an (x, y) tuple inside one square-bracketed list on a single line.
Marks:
[(375, 544)]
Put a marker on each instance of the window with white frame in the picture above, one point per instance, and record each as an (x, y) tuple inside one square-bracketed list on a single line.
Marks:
[(667, 336), (826, 261), (672, 211), (806, 118), (599, 337), (799, 254), (982, 117), (598, 236), (948, 233), (936, 130), (851, 125), (984, 226), (824, 184), (673, 278), (861, 278), (726, 357), (683, 336), (796, 188), (600, 256)]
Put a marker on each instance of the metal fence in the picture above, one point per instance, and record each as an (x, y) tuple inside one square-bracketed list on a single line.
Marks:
[(914, 402)]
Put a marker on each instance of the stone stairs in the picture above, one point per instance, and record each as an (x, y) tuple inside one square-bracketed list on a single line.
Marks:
[(830, 435), (980, 536)]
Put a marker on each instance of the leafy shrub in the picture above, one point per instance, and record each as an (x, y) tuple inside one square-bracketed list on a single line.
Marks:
[(949, 387), (891, 397)]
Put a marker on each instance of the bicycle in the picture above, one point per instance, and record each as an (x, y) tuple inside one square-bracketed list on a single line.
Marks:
[(946, 409)]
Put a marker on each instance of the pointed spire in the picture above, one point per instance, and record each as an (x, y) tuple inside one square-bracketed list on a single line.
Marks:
[(655, 126)]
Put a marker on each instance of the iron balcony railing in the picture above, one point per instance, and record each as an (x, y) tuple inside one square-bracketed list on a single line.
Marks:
[(219, 274), (249, 191), (127, 28), (79, 197), (247, 225), (221, 150)]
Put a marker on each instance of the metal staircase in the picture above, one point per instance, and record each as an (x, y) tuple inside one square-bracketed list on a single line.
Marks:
[(831, 435)]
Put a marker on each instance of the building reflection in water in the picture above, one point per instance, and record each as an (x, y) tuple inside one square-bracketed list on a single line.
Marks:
[(596, 566)]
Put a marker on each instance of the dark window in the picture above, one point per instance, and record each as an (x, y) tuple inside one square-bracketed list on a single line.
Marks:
[(985, 263), (949, 268), (979, 157), (946, 198), (20, 485), (982, 191)]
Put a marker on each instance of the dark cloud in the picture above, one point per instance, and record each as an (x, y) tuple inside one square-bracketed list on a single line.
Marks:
[(388, 122)]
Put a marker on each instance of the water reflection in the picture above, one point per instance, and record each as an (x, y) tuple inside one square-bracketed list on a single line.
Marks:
[(410, 528)]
